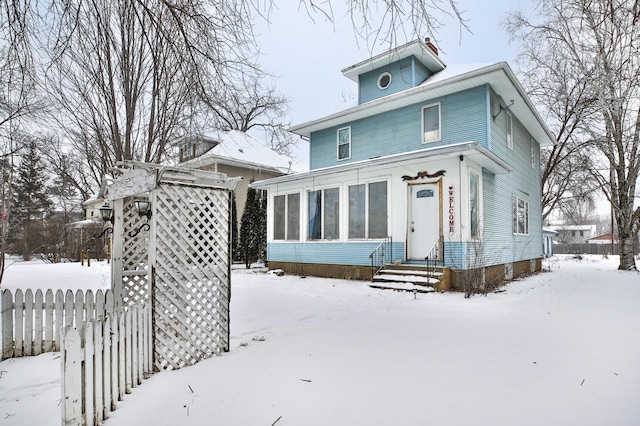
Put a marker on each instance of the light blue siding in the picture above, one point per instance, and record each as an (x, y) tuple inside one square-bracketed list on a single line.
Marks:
[(338, 253), (405, 74), (501, 245), (463, 119)]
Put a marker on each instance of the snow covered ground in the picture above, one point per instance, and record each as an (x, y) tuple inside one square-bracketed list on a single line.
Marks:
[(558, 348)]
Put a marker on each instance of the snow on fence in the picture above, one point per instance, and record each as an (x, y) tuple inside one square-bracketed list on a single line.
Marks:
[(31, 322), (102, 360)]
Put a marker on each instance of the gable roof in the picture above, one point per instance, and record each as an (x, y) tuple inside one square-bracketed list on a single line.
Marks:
[(239, 149), (450, 80)]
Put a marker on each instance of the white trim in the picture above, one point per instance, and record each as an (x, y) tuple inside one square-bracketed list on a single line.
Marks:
[(381, 76), (473, 150), (515, 200), (338, 143), (509, 130), (500, 76), (437, 134), (271, 224), (478, 174), (532, 152)]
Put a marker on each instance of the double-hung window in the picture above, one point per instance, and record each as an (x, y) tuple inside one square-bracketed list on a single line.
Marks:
[(474, 204), (344, 143), (324, 214), (520, 216), (509, 131), (368, 210), (286, 217), (532, 151), (431, 123)]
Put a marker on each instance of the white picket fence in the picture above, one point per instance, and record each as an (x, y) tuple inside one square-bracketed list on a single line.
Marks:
[(102, 360), (31, 322)]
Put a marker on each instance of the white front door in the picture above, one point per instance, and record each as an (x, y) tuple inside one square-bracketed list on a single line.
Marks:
[(424, 219)]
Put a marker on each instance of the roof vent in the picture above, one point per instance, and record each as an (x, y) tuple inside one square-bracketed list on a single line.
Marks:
[(431, 46)]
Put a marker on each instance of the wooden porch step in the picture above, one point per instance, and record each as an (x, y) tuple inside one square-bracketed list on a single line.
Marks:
[(415, 272), (399, 286), (406, 278)]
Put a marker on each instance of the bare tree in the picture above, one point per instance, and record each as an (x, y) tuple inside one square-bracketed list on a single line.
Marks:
[(595, 43), (244, 103), (562, 94), (388, 22), (124, 75), (122, 79)]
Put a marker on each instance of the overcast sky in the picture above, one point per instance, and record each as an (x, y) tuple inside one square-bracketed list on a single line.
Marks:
[(308, 57)]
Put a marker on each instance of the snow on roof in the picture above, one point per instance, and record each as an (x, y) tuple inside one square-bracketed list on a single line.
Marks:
[(240, 149), (604, 237), (454, 70), (573, 227)]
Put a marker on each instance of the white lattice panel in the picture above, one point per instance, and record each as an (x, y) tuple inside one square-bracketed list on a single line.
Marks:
[(191, 274), (135, 285)]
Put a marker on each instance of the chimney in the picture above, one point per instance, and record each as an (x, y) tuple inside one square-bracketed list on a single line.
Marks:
[(431, 46)]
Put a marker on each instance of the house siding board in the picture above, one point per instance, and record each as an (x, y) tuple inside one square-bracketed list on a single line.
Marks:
[(463, 118), (402, 78), (331, 253), (501, 245), (421, 72)]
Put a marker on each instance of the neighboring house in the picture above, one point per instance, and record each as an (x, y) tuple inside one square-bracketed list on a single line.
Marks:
[(433, 159), (236, 154), (547, 241), (574, 234), (604, 239)]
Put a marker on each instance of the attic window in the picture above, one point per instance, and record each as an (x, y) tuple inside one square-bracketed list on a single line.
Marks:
[(384, 80)]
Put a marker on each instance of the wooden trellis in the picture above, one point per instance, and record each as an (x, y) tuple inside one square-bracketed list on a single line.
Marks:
[(182, 264)]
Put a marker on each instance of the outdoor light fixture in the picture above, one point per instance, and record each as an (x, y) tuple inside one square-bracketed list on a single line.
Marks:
[(144, 209), (106, 213)]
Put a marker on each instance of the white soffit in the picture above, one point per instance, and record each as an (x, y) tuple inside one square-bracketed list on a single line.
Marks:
[(415, 48), (499, 76)]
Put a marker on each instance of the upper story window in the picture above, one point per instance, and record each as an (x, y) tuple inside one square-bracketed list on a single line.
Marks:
[(532, 151), (384, 80), (344, 143), (431, 123), (520, 216), (509, 131)]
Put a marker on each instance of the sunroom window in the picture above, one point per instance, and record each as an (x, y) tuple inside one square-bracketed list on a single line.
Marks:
[(368, 210), (324, 222), (286, 217)]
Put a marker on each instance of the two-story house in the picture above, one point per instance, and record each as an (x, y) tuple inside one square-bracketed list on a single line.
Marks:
[(434, 159)]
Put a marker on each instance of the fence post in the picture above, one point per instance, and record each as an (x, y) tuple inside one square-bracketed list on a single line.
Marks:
[(6, 308), (71, 377)]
